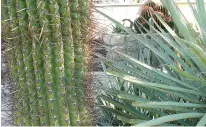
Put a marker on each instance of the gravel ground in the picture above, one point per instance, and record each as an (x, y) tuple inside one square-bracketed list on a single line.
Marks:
[(5, 92)]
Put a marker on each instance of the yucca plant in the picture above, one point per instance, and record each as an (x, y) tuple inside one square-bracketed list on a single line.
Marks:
[(47, 41), (173, 93)]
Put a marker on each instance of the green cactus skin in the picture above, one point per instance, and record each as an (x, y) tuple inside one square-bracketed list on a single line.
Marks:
[(57, 64), (6, 18), (46, 61), (84, 13), (146, 13), (22, 107), (28, 62), (47, 54), (77, 73), (67, 39), (38, 61), (79, 61), (150, 3), (85, 22)]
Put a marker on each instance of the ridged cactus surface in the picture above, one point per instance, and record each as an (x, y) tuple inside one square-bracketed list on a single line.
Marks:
[(149, 11), (47, 45)]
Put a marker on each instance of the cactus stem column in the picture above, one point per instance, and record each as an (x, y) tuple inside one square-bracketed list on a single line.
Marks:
[(78, 59), (67, 39), (29, 77), (57, 64), (45, 41), (6, 21), (84, 15), (46, 61), (22, 106), (37, 48)]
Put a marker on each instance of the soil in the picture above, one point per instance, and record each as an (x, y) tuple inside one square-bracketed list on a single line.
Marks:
[(5, 87)]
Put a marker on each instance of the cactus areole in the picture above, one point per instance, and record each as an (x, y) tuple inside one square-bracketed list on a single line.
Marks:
[(47, 59)]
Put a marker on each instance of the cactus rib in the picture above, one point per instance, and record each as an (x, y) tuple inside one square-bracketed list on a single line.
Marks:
[(26, 120), (57, 63), (84, 16), (12, 58), (78, 60), (28, 62), (67, 39), (38, 62), (45, 40)]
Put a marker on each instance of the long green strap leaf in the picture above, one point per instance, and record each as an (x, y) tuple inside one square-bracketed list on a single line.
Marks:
[(202, 121), (137, 62), (169, 103), (128, 108), (151, 85), (167, 108), (202, 18), (169, 118), (189, 76), (177, 17), (118, 112)]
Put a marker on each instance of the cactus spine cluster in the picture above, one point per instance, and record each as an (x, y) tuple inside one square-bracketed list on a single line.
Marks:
[(149, 9), (47, 58)]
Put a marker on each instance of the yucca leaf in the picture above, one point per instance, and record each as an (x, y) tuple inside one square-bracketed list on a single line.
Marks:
[(163, 37), (178, 18), (202, 121), (118, 112), (189, 76), (137, 98), (136, 121), (151, 85), (131, 97), (130, 121), (151, 69), (169, 103), (167, 108), (169, 118), (198, 50), (201, 19), (184, 50), (128, 108), (136, 71)]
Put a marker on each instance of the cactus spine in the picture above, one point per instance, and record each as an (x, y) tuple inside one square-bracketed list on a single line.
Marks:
[(46, 63)]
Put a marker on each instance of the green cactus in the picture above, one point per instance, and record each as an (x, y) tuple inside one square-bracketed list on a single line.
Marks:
[(48, 57), (13, 64), (84, 19), (149, 9)]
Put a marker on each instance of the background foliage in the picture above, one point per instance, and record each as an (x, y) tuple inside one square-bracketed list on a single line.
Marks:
[(173, 93)]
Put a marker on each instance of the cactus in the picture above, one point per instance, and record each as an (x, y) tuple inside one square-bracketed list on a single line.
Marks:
[(48, 52), (149, 9)]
